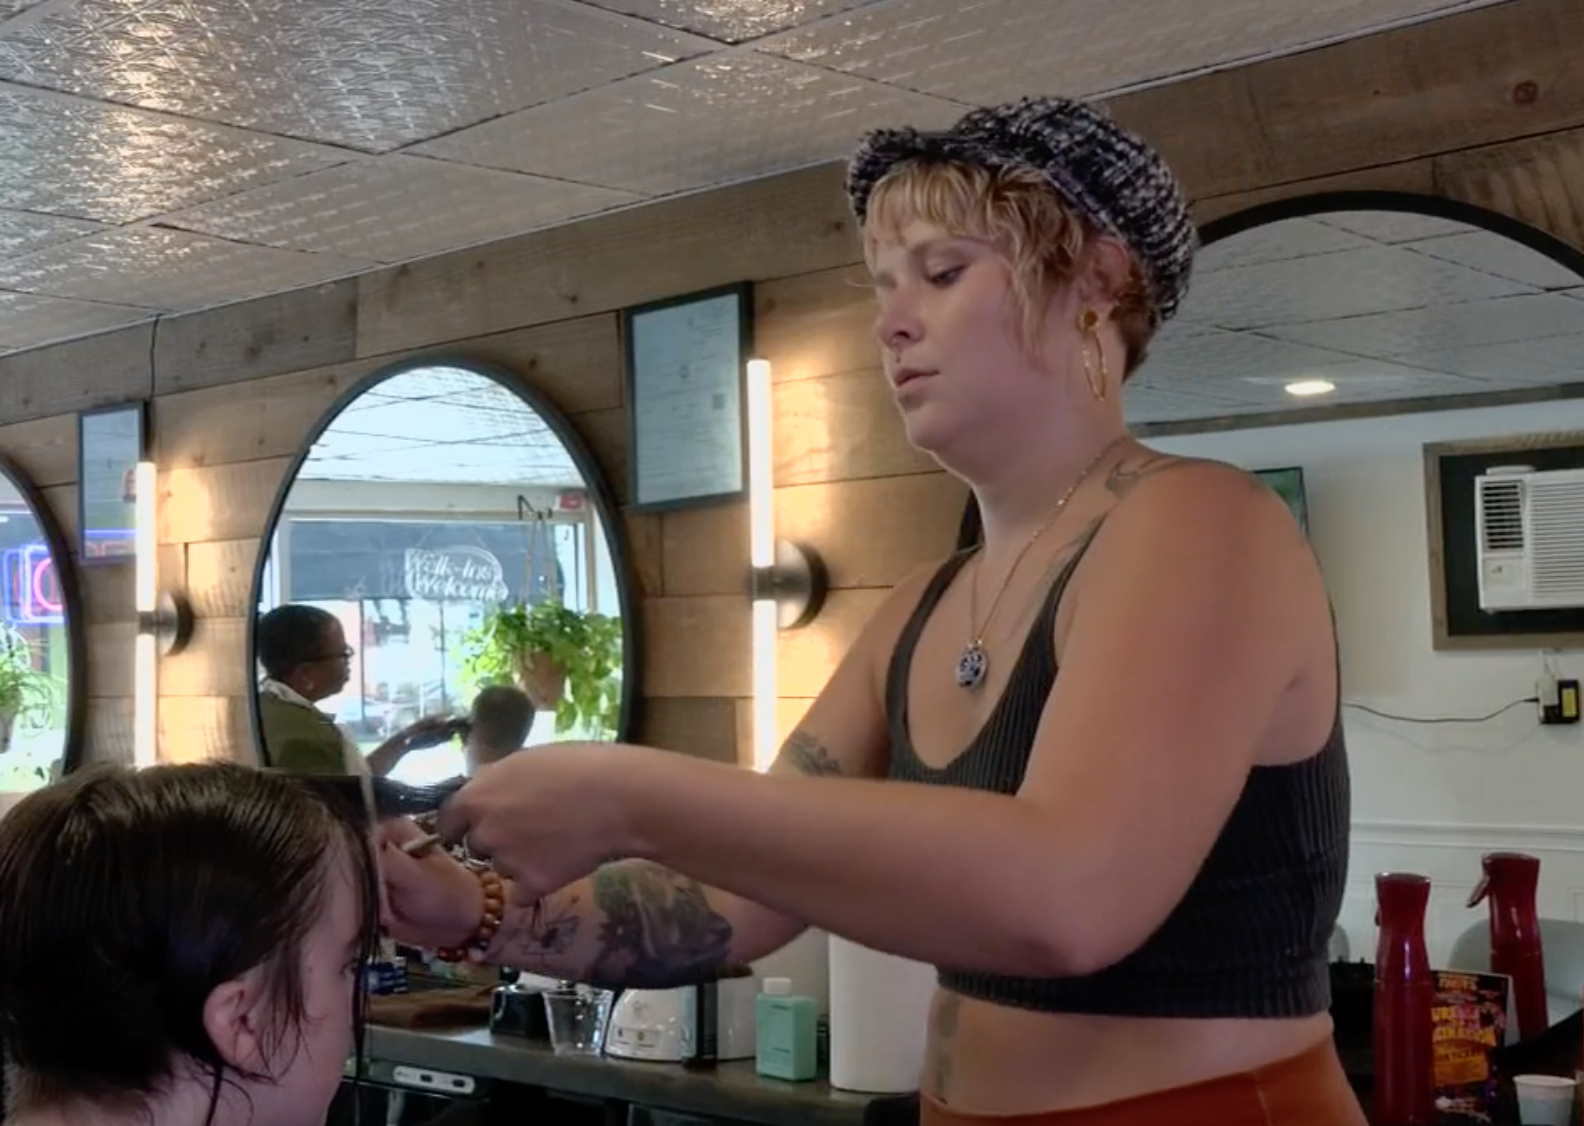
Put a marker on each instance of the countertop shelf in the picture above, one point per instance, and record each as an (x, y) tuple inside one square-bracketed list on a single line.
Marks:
[(731, 1090)]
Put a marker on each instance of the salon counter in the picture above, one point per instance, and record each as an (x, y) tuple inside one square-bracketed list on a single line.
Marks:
[(733, 1092)]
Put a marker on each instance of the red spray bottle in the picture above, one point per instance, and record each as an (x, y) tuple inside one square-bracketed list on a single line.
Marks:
[(1510, 882), (1404, 1004)]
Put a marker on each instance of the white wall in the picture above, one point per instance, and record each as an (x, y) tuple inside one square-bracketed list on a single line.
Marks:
[(1428, 798)]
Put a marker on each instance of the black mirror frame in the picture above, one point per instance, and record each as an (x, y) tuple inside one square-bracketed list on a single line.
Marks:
[(1320, 203), (73, 752), (595, 483)]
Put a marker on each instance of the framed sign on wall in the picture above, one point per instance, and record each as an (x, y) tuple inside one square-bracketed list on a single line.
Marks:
[(685, 361), (110, 443)]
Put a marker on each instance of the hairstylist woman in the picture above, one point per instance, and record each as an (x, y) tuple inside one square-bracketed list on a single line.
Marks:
[(1093, 770)]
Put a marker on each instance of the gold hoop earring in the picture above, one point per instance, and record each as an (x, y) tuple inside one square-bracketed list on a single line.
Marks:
[(1089, 324)]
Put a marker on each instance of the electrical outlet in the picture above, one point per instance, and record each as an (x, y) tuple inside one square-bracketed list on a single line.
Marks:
[(1563, 706)]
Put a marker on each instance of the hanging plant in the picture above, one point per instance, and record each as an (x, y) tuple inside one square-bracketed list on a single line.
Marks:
[(27, 698), (564, 659)]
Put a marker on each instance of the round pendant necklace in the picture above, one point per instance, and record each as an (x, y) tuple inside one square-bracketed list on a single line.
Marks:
[(973, 664)]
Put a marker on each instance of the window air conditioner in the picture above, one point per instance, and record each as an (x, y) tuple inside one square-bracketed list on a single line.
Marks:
[(1529, 533)]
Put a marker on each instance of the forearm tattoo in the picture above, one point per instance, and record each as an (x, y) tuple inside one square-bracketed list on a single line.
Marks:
[(807, 755), (653, 929), (657, 928)]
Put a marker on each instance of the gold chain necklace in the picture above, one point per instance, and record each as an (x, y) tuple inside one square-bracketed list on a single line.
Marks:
[(973, 664)]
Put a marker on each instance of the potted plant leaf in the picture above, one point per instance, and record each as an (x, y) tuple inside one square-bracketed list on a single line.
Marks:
[(25, 693), (569, 660)]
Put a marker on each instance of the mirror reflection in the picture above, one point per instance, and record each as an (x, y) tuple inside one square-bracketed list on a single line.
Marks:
[(439, 587), (1350, 307), (1329, 348), (35, 647)]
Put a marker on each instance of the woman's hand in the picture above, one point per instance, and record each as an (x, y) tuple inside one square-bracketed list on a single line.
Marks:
[(547, 815), (430, 900)]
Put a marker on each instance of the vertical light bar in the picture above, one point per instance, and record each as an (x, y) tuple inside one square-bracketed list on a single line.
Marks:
[(147, 577), (761, 549), (145, 657)]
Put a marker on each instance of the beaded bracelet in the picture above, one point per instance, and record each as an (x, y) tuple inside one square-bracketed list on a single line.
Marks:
[(494, 905)]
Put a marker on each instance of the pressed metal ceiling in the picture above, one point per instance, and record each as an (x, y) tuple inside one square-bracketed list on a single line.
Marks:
[(169, 155)]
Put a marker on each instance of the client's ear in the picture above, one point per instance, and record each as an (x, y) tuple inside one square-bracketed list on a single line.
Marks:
[(235, 1017)]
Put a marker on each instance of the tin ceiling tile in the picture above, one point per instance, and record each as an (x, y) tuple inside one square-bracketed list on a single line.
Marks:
[(1406, 333), (1275, 242), (1499, 255), (983, 51), (1392, 226), (160, 269), (1543, 359), (71, 157), (22, 232), (27, 319), (697, 123), (395, 208), (1328, 287), (369, 74), (730, 21)]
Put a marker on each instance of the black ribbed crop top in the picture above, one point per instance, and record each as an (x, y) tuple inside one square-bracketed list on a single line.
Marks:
[(1251, 936)]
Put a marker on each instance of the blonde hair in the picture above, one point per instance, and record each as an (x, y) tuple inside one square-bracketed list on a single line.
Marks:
[(1018, 213)]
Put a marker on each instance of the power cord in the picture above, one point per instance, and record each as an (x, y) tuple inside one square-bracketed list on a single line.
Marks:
[(1505, 708)]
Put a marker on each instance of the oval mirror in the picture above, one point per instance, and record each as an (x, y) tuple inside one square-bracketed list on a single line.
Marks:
[(1351, 304), (443, 581), (42, 691)]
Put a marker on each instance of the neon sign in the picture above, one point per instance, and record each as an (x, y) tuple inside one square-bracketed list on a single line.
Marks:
[(30, 592)]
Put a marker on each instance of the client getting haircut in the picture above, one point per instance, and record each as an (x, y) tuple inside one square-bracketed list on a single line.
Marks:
[(502, 716), (127, 897)]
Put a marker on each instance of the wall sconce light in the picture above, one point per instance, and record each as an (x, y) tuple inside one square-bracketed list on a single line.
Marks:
[(787, 582), (164, 622)]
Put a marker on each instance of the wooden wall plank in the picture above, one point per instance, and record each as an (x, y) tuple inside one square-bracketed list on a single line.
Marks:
[(1413, 176), (701, 727), (605, 435), (697, 647), (302, 328), (817, 324), (219, 577), (576, 364), (107, 590), (45, 449), (62, 501), (75, 375), (762, 229), (205, 427), (216, 661), (221, 502), (805, 658), (841, 428), (198, 728), (1473, 78), (109, 671), (108, 735), (876, 532), (706, 550), (1538, 180), (645, 551)]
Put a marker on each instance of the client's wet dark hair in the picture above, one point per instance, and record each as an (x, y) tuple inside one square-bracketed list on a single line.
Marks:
[(127, 897)]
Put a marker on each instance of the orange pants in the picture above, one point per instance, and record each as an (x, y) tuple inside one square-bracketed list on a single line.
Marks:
[(1309, 1089)]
